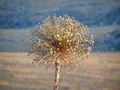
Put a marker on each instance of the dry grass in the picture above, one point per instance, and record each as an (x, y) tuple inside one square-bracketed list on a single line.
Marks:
[(100, 72)]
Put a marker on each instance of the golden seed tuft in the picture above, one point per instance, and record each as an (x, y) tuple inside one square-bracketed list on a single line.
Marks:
[(62, 38)]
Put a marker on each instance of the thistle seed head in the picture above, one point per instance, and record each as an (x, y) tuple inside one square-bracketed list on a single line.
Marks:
[(61, 38)]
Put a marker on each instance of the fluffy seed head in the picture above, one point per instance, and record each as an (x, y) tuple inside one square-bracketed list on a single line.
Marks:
[(61, 38)]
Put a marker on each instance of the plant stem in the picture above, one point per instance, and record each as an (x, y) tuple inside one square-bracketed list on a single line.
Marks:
[(57, 74)]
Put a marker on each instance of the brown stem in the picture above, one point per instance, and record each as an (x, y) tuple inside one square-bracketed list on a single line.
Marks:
[(57, 74)]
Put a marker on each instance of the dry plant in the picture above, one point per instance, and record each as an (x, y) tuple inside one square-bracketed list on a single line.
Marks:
[(60, 41)]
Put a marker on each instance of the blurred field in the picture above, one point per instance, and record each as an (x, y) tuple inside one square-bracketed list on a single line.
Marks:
[(100, 72)]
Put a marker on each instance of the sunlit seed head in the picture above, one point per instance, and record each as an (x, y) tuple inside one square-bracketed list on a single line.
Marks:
[(61, 38)]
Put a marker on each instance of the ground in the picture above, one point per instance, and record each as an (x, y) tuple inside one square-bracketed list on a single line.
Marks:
[(101, 71)]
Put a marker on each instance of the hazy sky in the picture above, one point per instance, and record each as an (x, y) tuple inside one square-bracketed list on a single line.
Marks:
[(26, 13)]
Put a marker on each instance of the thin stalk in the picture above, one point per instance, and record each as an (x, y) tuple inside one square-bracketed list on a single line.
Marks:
[(57, 74)]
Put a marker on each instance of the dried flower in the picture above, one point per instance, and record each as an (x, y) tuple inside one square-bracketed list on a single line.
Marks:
[(61, 38), (62, 42)]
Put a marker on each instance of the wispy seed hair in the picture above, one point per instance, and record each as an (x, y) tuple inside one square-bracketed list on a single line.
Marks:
[(61, 38)]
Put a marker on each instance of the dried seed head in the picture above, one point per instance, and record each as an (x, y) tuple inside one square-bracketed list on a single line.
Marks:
[(61, 38)]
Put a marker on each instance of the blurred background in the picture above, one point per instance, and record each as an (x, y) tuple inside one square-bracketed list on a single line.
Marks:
[(101, 71), (18, 17)]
